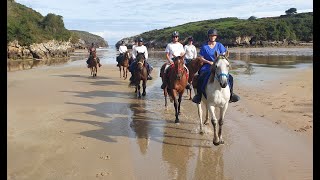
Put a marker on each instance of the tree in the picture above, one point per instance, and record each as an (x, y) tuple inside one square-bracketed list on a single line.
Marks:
[(252, 18), (291, 11)]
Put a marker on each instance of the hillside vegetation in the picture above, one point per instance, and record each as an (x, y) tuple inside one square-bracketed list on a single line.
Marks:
[(28, 26), (293, 27), (89, 38)]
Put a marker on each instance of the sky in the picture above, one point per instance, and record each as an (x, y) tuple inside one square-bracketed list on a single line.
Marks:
[(117, 19)]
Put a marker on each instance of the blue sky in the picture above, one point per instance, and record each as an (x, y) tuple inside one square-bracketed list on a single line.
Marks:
[(117, 19)]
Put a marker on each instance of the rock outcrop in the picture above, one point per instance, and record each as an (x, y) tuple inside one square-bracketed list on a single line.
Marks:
[(47, 50)]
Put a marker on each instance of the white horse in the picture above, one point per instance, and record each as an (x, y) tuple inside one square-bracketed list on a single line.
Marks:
[(218, 95)]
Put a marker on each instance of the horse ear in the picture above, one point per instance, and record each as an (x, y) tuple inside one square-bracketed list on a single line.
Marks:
[(216, 54), (227, 52)]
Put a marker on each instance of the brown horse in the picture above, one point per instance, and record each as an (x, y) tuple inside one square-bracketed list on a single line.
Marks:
[(124, 63), (176, 84), (93, 64), (193, 67), (140, 74)]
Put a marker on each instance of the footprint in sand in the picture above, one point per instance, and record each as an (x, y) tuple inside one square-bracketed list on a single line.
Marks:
[(103, 174), (105, 157)]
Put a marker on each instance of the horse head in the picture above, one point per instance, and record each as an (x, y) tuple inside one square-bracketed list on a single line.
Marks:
[(140, 60), (126, 55), (220, 68), (179, 66)]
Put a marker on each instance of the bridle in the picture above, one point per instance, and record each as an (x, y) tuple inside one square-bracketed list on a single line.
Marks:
[(179, 69), (217, 76)]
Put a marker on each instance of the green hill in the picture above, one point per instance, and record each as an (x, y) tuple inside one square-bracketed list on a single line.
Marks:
[(294, 27), (28, 26), (89, 38)]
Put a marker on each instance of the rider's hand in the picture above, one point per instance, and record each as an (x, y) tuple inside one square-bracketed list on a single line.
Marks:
[(170, 62), (210, 62)]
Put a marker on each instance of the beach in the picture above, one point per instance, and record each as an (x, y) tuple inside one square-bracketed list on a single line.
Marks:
[(65, 124)]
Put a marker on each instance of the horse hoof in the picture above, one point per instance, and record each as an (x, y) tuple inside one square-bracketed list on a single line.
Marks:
[(144, 94), (177, 121), (221, 142), (216, 143), (206, 123), (201, 132)]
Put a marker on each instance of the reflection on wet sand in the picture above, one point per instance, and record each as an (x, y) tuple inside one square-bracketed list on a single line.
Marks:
[(140, 125), (210, 164)]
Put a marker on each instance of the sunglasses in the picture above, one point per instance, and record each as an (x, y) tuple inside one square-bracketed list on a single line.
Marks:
[(175, 36)]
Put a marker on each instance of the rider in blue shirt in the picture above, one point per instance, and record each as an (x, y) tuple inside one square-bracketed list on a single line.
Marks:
[(207, 55)]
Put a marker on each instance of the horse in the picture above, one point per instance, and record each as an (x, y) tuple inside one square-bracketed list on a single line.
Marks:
[(176, 84), (124, 63), (140, 74), (193, 67), (218, 95), (93, 64)]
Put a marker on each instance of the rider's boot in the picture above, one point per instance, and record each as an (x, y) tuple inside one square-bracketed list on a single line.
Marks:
[(233, 96), (197, 97)]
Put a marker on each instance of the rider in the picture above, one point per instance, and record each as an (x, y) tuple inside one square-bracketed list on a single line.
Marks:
[(191, 51), (140, 48), (122, 49), (173, 49), (92, 50), (207, 55), (133, 46)]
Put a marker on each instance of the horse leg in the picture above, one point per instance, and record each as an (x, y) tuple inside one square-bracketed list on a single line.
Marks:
[(139, 94), (214, 123), (179, 101), (200, 117), (165, 93), (175, 101), (206, 121), (222, 114), (144, 85), (120, 70), (123, 72), (126, 72)]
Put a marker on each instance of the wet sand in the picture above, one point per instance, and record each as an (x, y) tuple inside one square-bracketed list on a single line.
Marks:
[(64, 124)]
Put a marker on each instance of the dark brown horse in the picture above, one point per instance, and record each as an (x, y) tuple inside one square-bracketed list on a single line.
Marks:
[(124, 63), (193, 67), (140, 74), (176, 84), (93, 63)]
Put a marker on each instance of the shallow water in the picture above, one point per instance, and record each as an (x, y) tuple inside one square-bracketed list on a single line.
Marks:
[(254, 148)]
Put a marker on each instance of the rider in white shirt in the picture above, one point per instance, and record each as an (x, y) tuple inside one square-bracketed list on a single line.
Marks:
[(122, 49), (191, 51), (132, 48), (140, 48), (173, 49)]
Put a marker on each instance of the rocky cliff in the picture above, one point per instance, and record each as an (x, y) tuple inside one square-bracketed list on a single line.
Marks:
[(46, 50)]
